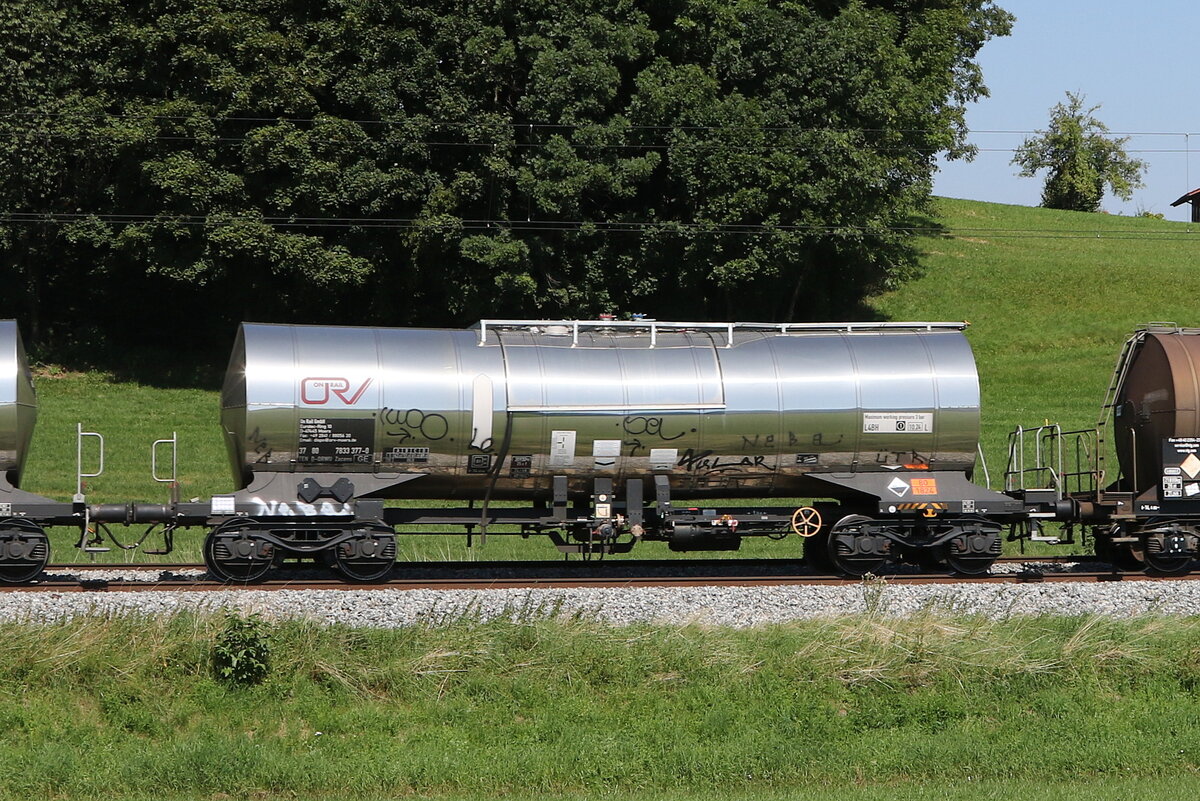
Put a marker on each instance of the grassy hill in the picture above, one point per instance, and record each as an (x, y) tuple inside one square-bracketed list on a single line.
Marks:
[(1051, 296)]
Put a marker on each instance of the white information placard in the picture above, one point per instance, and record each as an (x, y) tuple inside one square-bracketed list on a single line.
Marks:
[(897, 423)]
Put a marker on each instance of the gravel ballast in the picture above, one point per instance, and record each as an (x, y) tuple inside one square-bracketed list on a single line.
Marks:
[(720, 606)]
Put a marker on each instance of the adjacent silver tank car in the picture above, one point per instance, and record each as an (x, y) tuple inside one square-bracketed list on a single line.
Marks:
[(499, 410), (18, 403)]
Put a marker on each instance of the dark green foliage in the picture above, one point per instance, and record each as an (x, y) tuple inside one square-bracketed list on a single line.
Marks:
[(242, 650), (1081, 158), (172, 167)]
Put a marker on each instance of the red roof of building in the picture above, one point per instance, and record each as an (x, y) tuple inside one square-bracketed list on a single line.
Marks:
[(1193, 196)]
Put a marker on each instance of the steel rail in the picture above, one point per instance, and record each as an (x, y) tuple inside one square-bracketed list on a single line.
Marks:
[(284, 582), (514, 564)]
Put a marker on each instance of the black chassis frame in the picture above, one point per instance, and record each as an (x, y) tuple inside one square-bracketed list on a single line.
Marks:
[(280, 502)]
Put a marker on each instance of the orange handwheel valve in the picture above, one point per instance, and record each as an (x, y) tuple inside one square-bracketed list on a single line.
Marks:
[(806, 521)]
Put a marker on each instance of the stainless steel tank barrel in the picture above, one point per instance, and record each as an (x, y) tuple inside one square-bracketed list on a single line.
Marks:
[(721, 408), (18, 403)]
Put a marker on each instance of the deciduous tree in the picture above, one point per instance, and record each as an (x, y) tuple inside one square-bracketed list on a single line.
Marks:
[(177, 165), (1081, 159)]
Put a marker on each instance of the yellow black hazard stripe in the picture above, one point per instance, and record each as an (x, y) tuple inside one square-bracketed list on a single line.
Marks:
[(923, 506)]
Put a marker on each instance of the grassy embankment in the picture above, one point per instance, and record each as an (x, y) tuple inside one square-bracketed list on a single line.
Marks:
[(860, 708), (1050, 296)]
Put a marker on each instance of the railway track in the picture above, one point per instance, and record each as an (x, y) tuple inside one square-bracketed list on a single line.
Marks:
[(90, 577)]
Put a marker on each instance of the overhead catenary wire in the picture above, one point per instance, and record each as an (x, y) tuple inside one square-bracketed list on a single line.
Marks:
[(585, 226), (36, 123), (648, 146), (483, 123)]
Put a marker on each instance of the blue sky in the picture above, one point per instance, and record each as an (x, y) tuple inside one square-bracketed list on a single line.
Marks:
[(1137, 60)]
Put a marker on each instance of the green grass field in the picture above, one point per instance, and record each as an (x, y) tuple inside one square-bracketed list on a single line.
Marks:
[(1050, 296), (860, 707)]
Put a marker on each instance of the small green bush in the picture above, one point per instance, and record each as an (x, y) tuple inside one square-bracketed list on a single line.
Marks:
[(242, 651)]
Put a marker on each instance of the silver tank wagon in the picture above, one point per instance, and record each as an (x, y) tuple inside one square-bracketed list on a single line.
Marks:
[(740, 409), (24, 545), (18, 403)]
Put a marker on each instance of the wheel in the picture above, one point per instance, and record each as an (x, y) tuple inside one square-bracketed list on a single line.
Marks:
[(973, 552), (1168, 565), (238, 555), (24, 552), (855, 552), (1126, 556), (969, 564), (369, 556), (1167, 553)]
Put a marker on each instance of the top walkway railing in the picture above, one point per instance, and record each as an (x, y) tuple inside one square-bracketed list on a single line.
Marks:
[(653, 327)]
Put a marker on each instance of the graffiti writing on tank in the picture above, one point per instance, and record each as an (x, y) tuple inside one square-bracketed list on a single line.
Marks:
[(794, 440), (820, 438), (706, 463), (261, 447), (901, 457), (640, 425), (759, 441), (409, 424), (320, 390)]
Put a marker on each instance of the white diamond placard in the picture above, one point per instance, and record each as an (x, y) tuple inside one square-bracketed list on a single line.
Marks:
[(898, 486), (1191, 465)]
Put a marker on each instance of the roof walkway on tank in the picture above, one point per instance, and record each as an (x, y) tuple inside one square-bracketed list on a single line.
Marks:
[(652, 327)]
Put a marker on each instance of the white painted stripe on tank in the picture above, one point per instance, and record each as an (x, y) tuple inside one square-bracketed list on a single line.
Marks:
[(481, 411)]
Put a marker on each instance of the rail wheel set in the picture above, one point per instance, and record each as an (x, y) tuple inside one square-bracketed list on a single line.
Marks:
[(601, 434)]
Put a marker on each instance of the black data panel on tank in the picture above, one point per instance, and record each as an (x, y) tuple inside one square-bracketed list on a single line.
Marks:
[(336, 440), (1180, 469)]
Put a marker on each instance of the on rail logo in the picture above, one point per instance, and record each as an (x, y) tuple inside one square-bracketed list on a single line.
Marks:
[(318, 391)]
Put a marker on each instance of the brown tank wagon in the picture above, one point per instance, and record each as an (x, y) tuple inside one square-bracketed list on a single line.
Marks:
[(1146, 512)]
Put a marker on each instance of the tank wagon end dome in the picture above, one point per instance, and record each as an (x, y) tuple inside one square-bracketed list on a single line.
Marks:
[(1157, 399), (18, 402)]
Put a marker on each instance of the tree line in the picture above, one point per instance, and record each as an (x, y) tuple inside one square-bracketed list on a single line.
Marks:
[(174, 166)]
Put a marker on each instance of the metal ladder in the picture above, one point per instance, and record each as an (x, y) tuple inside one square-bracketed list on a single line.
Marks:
[(173, 481), (1120, 371), (1062, 462), (87, 543), (1044, 470)]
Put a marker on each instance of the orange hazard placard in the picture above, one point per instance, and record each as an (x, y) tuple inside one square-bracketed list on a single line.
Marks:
[(924, 486)]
